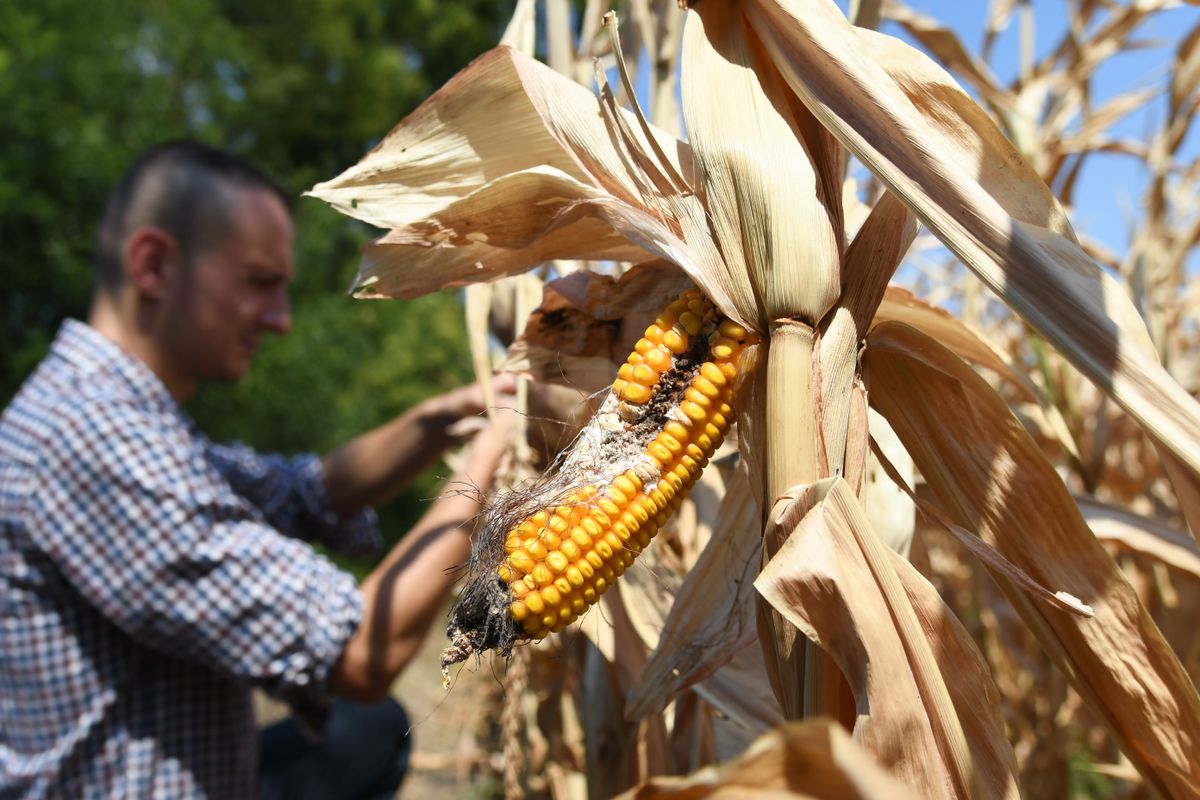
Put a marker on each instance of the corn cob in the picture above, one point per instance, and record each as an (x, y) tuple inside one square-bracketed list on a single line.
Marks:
[(567, 542)]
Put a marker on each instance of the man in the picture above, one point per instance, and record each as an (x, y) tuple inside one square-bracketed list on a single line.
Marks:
[(149, 577)]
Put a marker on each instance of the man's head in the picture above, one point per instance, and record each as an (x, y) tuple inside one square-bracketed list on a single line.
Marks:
[(193, 258)]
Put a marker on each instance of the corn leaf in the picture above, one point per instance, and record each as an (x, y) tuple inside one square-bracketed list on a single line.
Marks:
[(989, 476), (812, 759), (713, 613), (1138, 534), (923, 137), (927, 707)]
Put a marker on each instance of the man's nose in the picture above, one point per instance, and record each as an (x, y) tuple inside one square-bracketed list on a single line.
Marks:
[(277, 316)]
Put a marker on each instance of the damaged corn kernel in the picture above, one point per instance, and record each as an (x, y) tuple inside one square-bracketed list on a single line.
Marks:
[(669, 410)]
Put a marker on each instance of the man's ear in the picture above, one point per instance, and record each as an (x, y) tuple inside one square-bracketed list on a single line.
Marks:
[(150, 254)]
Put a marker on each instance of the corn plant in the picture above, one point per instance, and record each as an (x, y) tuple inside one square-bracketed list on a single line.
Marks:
[(512, 164)]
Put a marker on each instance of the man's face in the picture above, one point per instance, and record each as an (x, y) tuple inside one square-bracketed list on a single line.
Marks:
[(233, 292)]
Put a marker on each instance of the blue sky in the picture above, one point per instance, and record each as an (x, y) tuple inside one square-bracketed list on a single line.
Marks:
[(1111, 186)]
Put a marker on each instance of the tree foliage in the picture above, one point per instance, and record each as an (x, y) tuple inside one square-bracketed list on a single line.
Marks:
[(301, 88)]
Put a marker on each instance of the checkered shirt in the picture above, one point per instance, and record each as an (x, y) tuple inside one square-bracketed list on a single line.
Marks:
[(149, 579)]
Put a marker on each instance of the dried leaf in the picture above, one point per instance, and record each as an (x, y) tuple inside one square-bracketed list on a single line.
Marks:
[(927, 707), (991, 477), (713, 614), (812, 759), (905, 119), (1139, 534)]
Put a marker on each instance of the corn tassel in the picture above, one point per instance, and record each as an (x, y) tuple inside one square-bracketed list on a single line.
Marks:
[(668, 411)]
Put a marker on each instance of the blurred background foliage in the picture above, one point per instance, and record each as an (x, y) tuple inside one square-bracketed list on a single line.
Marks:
[(303, 88)]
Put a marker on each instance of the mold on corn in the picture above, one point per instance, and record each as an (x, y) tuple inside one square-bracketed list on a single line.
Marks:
[(547, 554)]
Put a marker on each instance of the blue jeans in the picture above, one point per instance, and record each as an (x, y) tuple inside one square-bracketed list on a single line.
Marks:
[(362, 755)]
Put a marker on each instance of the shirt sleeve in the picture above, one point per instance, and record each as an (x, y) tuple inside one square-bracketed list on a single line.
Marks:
[(291, 494), (146, 531)]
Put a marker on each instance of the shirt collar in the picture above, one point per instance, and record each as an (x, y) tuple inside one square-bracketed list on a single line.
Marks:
[(91, 352)]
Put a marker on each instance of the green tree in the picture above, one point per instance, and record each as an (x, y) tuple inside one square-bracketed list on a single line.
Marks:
[(301, 88)]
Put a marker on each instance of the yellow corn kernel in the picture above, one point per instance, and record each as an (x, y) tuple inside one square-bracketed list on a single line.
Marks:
[(613, 541), (670, 442), (692, 411), (629, 521), (563, 585), (622, 531), (550, 621), (659, 452), (657, 359), (573, 576), (557, 525), (518, 611), (654, 335), (556, 561), (519, 589), (639, 509), (604, 550), (681, 471), (569, 549), (644, 346), (590, 595), (608, 506), (520, 562), (690, 322), (579, 605), (676, 341), (728, 369), (551, 596), (676, 429), (711, 372), (732, 330), (645, 375), (535, 549), (541, 575), (590, 526), (625, 372), (585, 568), (628, 485), (594, 558), (694, 395), (618, 496), (579, 536), (636, 393), (601, 584), (535, 603), (504, 573), (634, 359)]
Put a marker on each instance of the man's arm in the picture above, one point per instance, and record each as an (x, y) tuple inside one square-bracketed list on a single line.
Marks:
[(402, 596), (373, 467)]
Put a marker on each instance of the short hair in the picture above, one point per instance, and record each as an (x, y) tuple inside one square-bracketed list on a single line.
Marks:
[(182, 187)]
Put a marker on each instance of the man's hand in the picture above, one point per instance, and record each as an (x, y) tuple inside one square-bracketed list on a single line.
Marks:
[(380, 463)]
